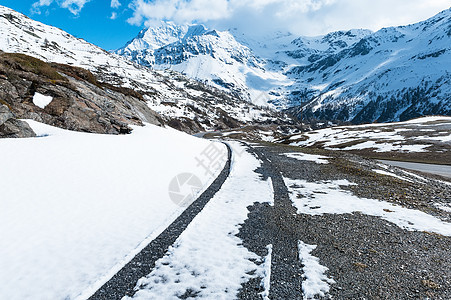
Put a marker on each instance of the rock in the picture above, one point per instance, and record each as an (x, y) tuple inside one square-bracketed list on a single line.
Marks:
[(10, 127), (14, 128), (5, 114), (80, 102)]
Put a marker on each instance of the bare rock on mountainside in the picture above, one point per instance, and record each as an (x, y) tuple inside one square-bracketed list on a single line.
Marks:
[(126, 92), (10, 127), (78, 101)]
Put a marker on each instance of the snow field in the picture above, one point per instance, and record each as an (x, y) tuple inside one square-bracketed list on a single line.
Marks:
[(76, 207)]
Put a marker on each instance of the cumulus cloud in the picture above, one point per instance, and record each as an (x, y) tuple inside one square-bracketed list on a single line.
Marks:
[(74, 6), (302, 17), (35, 8), (113, 16), (115, 4), (180, 11)]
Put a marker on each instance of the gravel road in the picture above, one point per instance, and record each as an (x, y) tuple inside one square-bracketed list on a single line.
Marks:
[(124, 282), (367, 257)]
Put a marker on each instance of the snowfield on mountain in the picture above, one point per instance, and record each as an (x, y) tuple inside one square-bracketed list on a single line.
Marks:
[(204, 107), (218, 164), (396, 73)]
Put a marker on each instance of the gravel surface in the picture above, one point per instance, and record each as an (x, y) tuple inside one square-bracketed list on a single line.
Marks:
[(369, 258), (124, 282)]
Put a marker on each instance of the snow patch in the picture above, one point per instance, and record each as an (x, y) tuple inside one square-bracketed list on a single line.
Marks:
[(266, 274), (316, 282), (414, 175), (326, 197), (319, 159), (388, 147), (41, 100), (391, 174), (444, 206)]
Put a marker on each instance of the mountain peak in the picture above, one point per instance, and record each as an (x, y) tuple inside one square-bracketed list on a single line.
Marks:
[(195, 30), (156, 37), (343, 68)]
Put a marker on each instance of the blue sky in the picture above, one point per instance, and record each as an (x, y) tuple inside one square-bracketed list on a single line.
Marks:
[(111, 23), (93, 23)]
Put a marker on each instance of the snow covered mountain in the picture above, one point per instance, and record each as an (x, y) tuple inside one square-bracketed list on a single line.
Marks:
[(211, 56), (183, 103), (394, 74)]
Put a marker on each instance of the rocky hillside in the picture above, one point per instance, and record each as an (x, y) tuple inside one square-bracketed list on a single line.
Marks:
[(76, 100), (97, 91), (10, 126), (394, 74)]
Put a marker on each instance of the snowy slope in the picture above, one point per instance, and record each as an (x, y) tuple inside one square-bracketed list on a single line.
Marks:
[(394, 74), (82, 205), (21, 34), (215, 57), (182, 97), (153, 39)]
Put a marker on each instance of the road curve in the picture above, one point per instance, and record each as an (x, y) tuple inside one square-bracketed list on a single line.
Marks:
[(123, 283)]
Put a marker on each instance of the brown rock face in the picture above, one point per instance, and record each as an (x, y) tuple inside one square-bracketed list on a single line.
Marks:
[(10, 127), (80, 102)]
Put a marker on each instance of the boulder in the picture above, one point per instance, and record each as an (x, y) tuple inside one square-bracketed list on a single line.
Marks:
[(10, 127)]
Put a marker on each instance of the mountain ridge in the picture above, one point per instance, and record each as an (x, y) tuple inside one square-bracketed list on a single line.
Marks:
[(343, 75), (183, 103)]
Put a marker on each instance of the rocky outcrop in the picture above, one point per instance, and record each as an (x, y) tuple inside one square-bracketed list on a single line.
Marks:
[(10, 127), (79, 101), (130, 93)]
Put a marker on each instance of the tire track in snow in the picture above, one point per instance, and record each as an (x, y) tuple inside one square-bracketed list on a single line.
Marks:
[(275, 225)]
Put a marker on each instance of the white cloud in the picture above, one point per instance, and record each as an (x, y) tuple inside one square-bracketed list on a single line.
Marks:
[(43, 3), (115, 4), (302, 17), (35, 8), (180, 11), (113, 16), (74, 6)]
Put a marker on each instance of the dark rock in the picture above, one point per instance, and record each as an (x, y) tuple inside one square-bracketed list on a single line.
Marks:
[(10, 127), (80, 102), (5, 114)]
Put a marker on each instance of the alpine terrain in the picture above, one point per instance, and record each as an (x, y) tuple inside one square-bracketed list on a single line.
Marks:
[(394, 74), (196, 163), (111, 92)]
